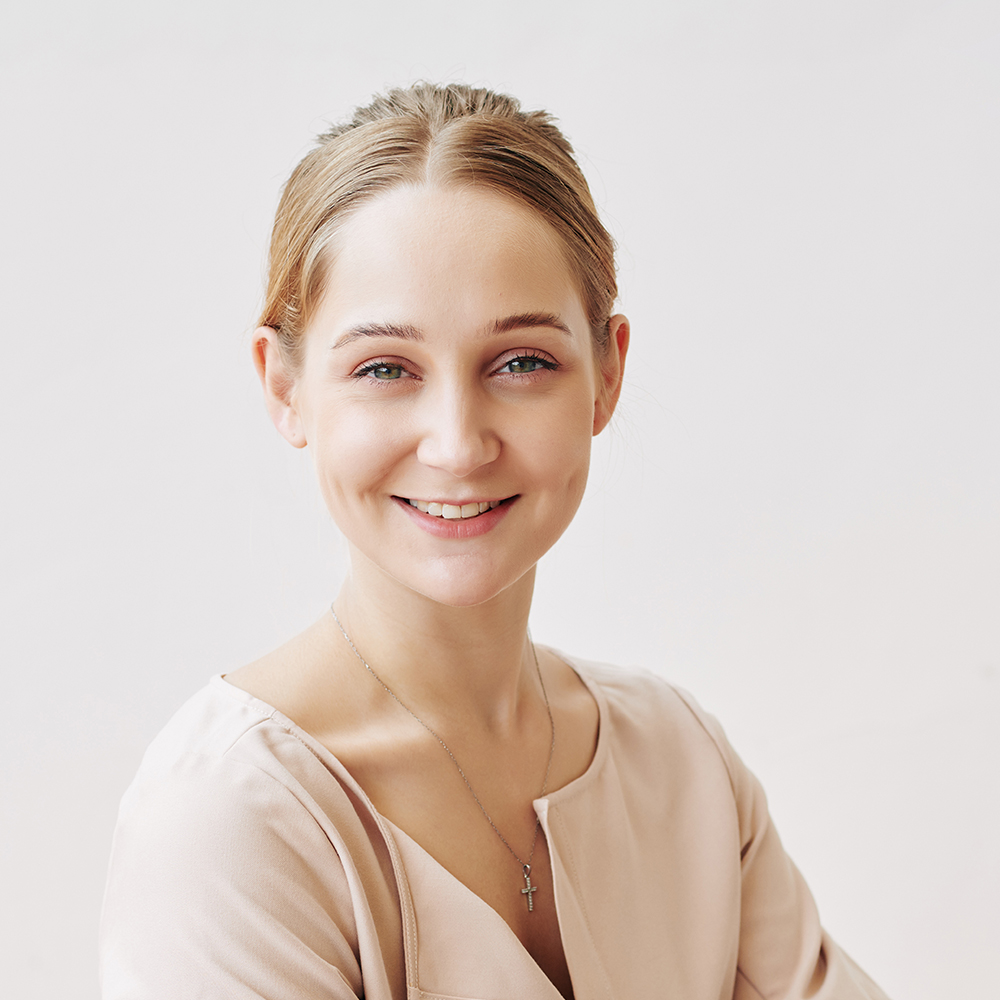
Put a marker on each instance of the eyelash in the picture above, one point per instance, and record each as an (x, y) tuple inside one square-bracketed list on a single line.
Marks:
[(545, 363), (372, 366)]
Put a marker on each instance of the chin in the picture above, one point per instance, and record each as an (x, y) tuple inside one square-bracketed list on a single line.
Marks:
[(465, 589)]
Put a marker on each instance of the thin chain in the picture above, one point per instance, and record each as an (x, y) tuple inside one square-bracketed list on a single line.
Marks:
[(526, 865)]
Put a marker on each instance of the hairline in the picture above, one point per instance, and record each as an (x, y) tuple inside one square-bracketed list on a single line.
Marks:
[(323, 257)]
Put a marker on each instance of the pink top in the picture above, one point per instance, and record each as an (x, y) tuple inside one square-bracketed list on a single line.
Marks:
[(247, 862)]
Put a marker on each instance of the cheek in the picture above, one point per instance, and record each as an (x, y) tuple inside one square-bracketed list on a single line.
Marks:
[(558, 447), (352, 453)]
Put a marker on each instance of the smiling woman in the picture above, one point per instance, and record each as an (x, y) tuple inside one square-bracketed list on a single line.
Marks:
[(449, 360), (410, 799)]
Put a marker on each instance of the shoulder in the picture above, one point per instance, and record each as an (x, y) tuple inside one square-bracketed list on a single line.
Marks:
[(644, 699), (221, 750), (224, 782), (238, 855), (210, 725), (228, 769), (651, 718)]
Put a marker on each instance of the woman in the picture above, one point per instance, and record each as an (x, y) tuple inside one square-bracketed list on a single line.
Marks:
[(411, 798)]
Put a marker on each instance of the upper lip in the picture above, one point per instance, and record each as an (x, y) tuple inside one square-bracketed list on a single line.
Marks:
[(456, 503)]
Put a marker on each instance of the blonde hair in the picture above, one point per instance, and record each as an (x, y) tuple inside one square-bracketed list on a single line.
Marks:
[(451, 134)]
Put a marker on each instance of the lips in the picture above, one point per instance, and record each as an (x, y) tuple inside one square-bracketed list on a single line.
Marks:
[(450, 524), (453, 512)]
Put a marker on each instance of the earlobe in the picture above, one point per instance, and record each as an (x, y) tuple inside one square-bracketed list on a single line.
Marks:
[(277, 384), (612, 372)]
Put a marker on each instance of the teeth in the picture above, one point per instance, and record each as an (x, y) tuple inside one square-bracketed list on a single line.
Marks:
[(454, 512)]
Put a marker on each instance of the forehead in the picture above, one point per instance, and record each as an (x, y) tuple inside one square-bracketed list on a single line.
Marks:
[(446, 258)]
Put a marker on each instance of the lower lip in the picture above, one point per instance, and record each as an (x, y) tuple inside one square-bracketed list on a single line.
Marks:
[(470, 527)]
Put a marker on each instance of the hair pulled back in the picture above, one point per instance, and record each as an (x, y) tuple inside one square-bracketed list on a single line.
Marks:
[(450, 134)]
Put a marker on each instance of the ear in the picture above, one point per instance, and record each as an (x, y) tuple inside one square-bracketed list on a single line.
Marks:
[(277, 384), (612, 371)]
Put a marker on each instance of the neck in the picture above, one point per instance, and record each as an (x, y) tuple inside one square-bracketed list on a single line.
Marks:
[(460, 666)]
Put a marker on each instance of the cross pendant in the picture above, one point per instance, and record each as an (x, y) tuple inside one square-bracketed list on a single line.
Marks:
[(529, 890)]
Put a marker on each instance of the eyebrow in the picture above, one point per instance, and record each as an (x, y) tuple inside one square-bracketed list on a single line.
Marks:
[(524, 321), (401, 331), (404, 331)]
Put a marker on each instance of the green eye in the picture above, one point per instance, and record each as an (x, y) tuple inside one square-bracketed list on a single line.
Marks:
[(525, 365), (383, 372)]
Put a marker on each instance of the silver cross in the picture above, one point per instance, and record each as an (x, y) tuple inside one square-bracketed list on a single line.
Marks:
[(528, 889)]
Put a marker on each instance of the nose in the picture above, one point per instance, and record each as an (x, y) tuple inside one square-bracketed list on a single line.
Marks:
[(456, 432)]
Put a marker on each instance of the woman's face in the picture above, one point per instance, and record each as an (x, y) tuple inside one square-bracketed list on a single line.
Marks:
[(449, 390)]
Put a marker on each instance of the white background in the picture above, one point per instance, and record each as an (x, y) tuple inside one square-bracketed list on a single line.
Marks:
[(795, 514)]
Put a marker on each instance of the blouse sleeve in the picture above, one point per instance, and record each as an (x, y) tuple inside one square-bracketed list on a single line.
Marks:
[(783, 950), (215, 891)]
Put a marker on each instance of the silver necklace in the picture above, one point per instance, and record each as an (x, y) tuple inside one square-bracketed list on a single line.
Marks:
[(529, 890)]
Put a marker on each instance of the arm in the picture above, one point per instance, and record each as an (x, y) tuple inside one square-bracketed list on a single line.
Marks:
[(223, 884), (783, 951)]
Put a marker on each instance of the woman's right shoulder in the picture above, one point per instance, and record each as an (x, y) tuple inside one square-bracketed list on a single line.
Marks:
[(227, 749), (219, 731), (221, 770), (237, 858), (210, 724)]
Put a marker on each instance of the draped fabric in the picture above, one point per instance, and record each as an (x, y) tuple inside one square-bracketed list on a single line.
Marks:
[(247, 862)]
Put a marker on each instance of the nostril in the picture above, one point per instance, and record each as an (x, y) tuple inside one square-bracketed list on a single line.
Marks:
[(456, 453)]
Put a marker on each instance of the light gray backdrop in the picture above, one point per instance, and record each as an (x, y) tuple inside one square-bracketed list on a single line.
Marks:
[(795, 514)]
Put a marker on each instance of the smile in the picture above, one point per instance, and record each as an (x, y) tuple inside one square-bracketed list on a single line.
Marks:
[(454, 512)]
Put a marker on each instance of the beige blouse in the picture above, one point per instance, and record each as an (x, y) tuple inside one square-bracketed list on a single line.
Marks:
[(247, 862)]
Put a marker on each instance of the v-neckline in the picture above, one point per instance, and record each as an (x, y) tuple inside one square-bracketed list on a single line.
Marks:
[(397, 835), (431, 869), (474, 915)]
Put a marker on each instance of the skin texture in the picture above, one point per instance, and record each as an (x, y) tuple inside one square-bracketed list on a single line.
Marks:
[(417, 383)]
